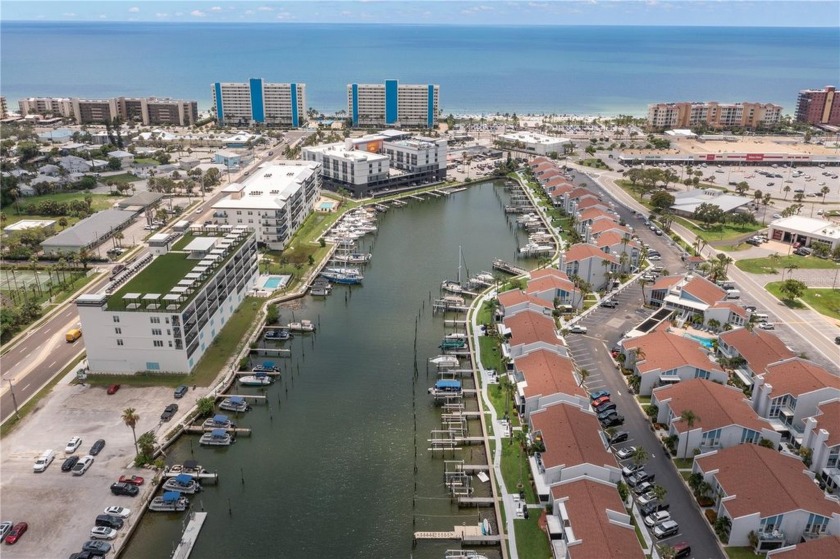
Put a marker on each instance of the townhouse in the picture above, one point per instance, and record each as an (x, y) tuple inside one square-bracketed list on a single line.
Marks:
[(822, 437), (723, 417), (692, 295), (767, 493), (590, 264), (827, 546), (528, 331), (543, 378), (515, 301), (551, 284), (661, 358), (750, 351)]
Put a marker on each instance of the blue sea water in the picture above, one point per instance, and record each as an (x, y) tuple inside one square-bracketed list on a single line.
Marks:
[(523, 69)]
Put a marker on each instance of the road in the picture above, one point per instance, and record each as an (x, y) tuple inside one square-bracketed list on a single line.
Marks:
[(35, 359)]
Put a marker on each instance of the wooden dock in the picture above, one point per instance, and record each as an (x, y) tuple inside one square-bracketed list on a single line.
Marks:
[(508, 268), (200, 429), (470, 535), (190, 536), (476, 501), (206, 478), (243, 396), (267, 373)]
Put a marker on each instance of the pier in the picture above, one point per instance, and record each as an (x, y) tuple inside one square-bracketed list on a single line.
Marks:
[(207, 478), (266, 373), (476, 501), (200, 430), (188, 539), (243, 396), (470, 535), (508, 268)]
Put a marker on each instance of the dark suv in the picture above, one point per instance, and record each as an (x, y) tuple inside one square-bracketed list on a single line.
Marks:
[(180, 392), (124, 489), (168, 412), (109, 521)]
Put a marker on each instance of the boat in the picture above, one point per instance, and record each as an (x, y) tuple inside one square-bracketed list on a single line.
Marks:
[(354, 257), (182, 483), (486, 529), (189, 467), (463, 554), (218, 421), (302, 326), (216, 437), (266, 367), (536, 248), (257, 379), (455, 336), (453, 343), (445, 361), (343, 276), (234, 403), (453, 286), (171, 501), (446, 387)]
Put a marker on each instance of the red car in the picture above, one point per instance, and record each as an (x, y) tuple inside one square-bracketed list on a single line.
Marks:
[(17, 531), (599, 401), (134, 480), (113, 388)]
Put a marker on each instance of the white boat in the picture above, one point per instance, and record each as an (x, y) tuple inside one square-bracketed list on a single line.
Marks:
[(257, 379), (353, 257), (451, 285), (445, 361), (463, 554), (216, 437), (182, 483), (234, 403), (189, 467), (455, 336), (536, 248), (171, 501), (219, 421)]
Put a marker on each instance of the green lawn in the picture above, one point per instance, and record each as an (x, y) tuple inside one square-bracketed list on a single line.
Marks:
[(146, 161), (774, 265), (99, 201), (122, 178), (742, 553), (511, 471), (684, 463), (824, 301), (531, 541), (718, 232)]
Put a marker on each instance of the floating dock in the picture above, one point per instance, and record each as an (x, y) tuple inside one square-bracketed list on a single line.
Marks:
[(243, 396), (200, 429), (205, 477), (185, 546), (470, 535), (508, 268)]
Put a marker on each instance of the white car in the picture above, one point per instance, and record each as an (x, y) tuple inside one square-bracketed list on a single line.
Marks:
[(122, 512), (102, 533), (578, 329), (5, 528), (767, 326), (657, 518), (82, 465), (73, 445), (626, 452)]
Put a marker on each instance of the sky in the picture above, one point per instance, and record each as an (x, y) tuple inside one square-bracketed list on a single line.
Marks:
[(739, 13)]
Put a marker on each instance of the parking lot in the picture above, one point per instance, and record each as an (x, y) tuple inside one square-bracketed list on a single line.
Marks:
[(59, 507)]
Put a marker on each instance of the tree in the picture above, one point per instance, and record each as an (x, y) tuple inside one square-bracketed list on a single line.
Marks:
[(114, 164), (146, 443), (709, 214), (205, 406), (824, 191), (584, 374), (786, 190), (130, 418), (659, 492), (690, 418), (694, 481), (792, 289), (661, 199), (742, 187), (640, 456)]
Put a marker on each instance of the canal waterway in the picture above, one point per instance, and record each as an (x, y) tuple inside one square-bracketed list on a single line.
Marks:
[(330, 470)]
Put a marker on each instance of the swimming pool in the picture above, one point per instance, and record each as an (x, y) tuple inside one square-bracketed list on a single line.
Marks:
[(326, 206), (274, 282), (705, 342)]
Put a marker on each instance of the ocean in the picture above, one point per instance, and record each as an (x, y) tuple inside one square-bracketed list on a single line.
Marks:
[(480, 69)]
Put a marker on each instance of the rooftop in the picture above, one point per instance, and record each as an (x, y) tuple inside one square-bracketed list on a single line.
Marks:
[(661, 351), (810, 225), (758, 347), (716, 406), (765, 481), (582, 251), (90, 229), (691, 200), (826, 546), (533, 138), (530, 327), (828, 418), (571, 436), (703, 290), (270, 186), (547, 373), (797, 376)]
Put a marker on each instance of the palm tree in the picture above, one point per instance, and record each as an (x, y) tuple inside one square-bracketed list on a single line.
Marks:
[(640, 456), (690, 418), (790, 270), (130, 418), (583, 374), (659, 492), (786, 190)]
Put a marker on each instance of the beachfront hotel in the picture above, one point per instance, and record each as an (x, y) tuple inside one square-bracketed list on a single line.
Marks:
[(532, 143), (393, 104), (818, 106), (713, 114), (383, 161), (259, 102), (164, 312), (274, 201), (149, 111)]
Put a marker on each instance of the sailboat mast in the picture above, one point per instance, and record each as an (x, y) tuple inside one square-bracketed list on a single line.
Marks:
[(459, 264)]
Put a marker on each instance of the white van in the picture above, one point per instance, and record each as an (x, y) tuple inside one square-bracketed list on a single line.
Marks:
[(733, 294), (760, 317), (44, 461)]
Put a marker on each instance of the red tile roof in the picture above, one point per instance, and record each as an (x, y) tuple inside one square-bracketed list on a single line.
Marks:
[(587, 502), (557, 181), (547, 373), (732, 307), (828, 418), (826, 546), (516, 297), (797, 376), (759, 347), (538, 161), (592, 213), (608, 239), (529, 327), (666, 282), (665, 352), (765, 481), (704, 290), (571, 436), (715, 405), (544, 166), (560, 190), (589, 202), (580, 192), (603, 225), (549, 272), (545, 283), (582, 251)]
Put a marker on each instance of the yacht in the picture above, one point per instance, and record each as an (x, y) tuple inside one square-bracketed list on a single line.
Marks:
[(216, 437), (171, 501), (234, 403), (257, 379), (183, 483)]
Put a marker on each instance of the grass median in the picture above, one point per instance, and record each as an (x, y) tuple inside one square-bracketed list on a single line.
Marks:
[(771, 265), (824, 301)]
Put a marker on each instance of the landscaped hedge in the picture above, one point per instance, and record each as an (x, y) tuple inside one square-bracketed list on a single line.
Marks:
[(711, 516)]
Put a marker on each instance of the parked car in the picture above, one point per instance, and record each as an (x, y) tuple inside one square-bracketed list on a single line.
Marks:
[(657, 518), (647, 497), (578, 329), (73, 445), (613, 420), (600, 401), (96, 546), (643, 488), (133, 480), (181, 391), (631, 469), (97, 447), (169, 412), (82, 465), (68, 464), (109, 521), (122, 512), (639, 477), (625, 453), (653, 506), (606, 406), (609, 303), (113, 389), (16, 532), (124, 489), (103, 533), (5, 528), (666, 529), (620, 437), (837, 340), (767, 326), (599, 394)]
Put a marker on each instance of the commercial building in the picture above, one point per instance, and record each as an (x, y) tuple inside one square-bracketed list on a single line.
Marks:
[(818, 106), (378, 162), (713, 114), (532, 143), (146, 110), (259, 102), (393, 104), (274, 201), (685, 203), (166, 314), (88, 232), (4, 108), (806, 231)]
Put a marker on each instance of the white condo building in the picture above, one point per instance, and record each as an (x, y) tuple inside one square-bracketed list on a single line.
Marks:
[(259, 102), (393, 104), (167, 311), (531, 142), (274, 201), (389, 159)]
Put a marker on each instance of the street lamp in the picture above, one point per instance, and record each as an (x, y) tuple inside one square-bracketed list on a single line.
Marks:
[(14, 400)]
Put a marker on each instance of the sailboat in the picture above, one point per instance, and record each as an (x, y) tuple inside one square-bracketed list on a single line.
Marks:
[(454, 286), (343, 273)]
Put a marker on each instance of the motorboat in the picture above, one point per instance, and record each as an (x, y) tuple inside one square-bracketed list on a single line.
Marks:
[(353, 257), (189, 467), (216, 437), (218, 421), (446, 387), (257, 379), (234, 403), (183, 483), (171, 501), (445, 361), (453, 343)]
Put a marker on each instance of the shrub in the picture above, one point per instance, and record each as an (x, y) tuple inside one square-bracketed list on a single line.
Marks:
[(705, 502), (711, 516)]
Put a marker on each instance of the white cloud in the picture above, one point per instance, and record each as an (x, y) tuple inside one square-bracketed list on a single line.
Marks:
[(346, 13), (216, 9), (249, 12), (538, 5), (284, 15), (197, 13), (69, 14), (103, 16), (478, 9), (133, 9), (179, 14), (161, 14), (265, 9)]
